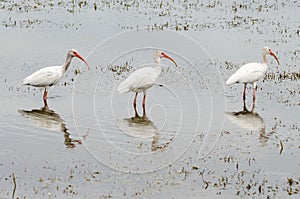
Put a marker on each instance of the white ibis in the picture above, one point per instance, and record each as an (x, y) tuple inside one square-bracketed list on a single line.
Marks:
[(144, 78), (49, 76), (251, 73)]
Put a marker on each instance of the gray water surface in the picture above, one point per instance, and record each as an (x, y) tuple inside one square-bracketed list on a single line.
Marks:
[(194, 141)]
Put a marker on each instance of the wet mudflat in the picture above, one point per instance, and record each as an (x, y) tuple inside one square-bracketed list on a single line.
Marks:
[(195, 140)]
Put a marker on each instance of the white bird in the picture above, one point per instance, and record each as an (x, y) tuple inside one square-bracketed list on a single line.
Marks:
[(251, 73), (49, 76), (144, 78)]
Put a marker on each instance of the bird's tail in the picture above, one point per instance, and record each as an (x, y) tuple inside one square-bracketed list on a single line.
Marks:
[(123, 88), (24, 81), (231, 80), (19, 85)]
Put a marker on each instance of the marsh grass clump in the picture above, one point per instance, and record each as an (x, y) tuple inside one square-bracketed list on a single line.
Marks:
[(120, 70), (282, 76), (293, 186)]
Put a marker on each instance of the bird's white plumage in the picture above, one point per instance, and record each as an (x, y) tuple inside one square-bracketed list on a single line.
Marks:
[(144, 78), (49, 76), (252, 72), (44, 77), (140, 80), (248, 73)]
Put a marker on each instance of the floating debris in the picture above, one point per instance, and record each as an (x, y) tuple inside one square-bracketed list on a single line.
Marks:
[(281, 147)]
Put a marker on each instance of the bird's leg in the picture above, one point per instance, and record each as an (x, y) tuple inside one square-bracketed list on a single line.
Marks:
[(45, 103), (244, 94), (244, 97), (253, 106), (144, 107), (144, 101), (245, 107), (134, 101), (134, 104), (45, 94), (144, 112), (254, 96), (254, 93)]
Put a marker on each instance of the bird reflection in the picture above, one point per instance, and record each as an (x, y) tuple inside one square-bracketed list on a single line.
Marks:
[(250, 121), (142, 127), (49, 119)]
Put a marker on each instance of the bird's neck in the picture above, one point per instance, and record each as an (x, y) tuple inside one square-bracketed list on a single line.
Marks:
[(157, 60), (265, 58), (157, 65), (67, 64)]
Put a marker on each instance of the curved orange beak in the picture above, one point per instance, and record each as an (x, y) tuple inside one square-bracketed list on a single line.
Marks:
[(273, 54), (167, 57), (80, 57)]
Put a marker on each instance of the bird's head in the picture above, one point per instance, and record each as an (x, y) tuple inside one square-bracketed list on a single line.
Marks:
[(74, 53), (267, 50), (159, 54)]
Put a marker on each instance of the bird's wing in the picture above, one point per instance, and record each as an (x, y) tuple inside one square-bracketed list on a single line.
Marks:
[(44, 77), (247, 73), (139, 80)]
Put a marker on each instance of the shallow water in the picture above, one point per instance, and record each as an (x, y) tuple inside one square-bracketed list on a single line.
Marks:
[(195, 141)]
